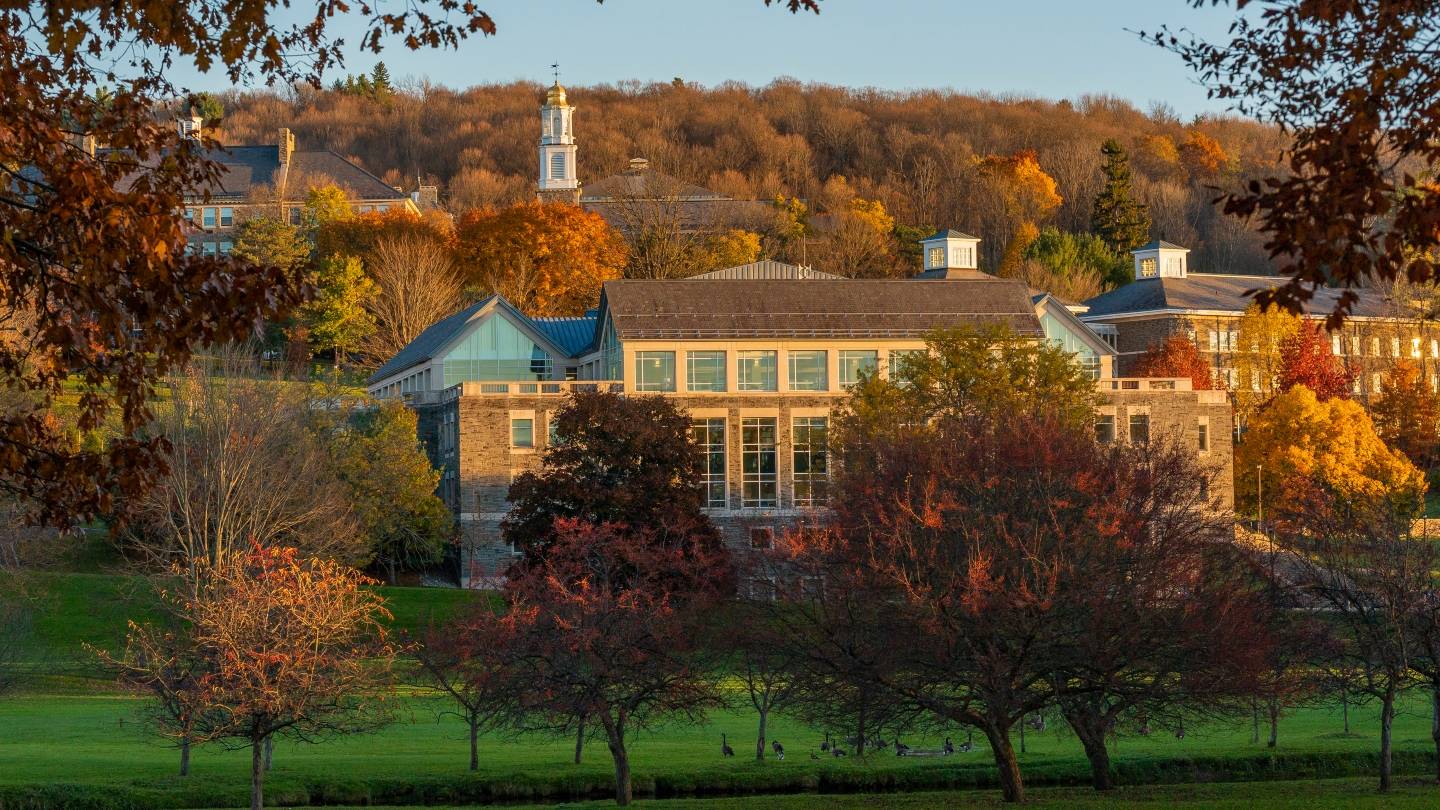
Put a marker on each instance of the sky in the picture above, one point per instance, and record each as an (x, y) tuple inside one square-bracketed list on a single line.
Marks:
[(1047, 48)]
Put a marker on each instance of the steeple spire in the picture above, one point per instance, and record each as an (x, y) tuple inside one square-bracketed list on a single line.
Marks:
[(558, 179)]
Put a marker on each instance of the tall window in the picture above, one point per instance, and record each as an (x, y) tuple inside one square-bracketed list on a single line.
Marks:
[(557, 166), (709, 436), (1202, 435), (900, 359), (655, 371), (757, 370), (811, 471), (705, 371), (522, 432), (227, 217), (1139, 428), (854, 363), (1105, 428), (757, 461), (208, 215), (808, 371)]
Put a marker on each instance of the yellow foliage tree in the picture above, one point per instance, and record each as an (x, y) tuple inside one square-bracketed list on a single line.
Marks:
[(731, 248), (1297, 437), (545, 259), (1257, 357)]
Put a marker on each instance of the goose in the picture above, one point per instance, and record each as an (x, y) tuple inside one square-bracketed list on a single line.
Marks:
[(825, 746), (777, 748), (725, 749)]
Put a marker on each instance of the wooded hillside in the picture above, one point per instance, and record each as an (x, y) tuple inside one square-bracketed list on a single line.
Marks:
[(921, 153)]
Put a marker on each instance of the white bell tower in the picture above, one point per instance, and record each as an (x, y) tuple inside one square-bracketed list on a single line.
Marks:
[(559, 180)]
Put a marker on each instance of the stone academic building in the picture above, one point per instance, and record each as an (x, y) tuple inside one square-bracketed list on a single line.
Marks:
[(758, 355)]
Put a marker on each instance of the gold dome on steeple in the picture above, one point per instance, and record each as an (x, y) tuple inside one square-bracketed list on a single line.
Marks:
[(556, 96)]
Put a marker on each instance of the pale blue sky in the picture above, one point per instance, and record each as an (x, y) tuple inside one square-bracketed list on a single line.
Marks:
[(1047, 48)]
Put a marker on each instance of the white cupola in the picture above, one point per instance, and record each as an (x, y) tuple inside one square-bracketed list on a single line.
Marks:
[(950, 254), (1160, 259), (191, 126), (557, 145)]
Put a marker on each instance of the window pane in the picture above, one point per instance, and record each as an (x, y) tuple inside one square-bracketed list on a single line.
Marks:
[(900, 361), (655, 371), (522, 432), (854, 363), (709, 436), (1139, 428), (1105, 429), (757, 461), (209, 214), (811, 470), (706, 371), (808, 372), (757, 371), (227, 216)]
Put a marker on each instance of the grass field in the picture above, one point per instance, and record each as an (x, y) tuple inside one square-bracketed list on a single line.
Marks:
[(77, 730)]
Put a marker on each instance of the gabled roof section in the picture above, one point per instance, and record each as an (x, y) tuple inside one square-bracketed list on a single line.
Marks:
[(950, 233), (1055, 307), (643, 183), (1161, 244), (246, 167), (438, 337), (1212, 292), (721, 309)]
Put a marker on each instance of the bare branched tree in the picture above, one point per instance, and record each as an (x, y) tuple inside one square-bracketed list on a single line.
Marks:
[(417, 285), (246, 467)]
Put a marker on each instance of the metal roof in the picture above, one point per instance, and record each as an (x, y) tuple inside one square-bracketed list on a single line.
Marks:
[(766, 269), (574, 335), (1225, 293)]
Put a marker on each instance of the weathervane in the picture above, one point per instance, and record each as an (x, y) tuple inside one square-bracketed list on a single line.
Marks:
[(555, 69)]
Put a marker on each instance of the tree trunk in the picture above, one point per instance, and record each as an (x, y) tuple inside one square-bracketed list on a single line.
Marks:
[(860, 732), (1022, 734), (615, 736), (474, 743), (760, 738), (269, 750), (1274, 723), (1387, 718), (1089, 727), (1435, 724), (579, 739), (1345, 709), (390, 564), (1011, 786), (184, 756), (257, 773), (1254, 721)]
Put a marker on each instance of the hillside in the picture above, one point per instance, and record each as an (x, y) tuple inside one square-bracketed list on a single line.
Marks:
[(916, 152)]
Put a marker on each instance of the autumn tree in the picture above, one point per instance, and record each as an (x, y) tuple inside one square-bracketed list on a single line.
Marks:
[(1176, 356), (763, 661), (1306, 359), (471, 661), (1354, 556), (337, 317), (1067, 255), (287, 645), (1257, 359), (163, 662), (857, 241), (1407, 415), (1024, 198), (1330, 442), (608, 622), (546, 259), (245, 467), (1116, 217), (416, 284), (616, 460), (1356, 86)]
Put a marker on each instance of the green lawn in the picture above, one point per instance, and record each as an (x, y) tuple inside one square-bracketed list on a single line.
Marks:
[(78, 730)]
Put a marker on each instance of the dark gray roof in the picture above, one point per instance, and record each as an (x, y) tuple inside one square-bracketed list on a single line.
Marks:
[(245, 167), (1158, 244), (644, 183), (574, 335), (702, 309), (1214, 292), (428, 342), (949, 233)]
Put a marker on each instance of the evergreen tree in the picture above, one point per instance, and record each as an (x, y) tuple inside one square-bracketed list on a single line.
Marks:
[(380, 87), (1117, 217)]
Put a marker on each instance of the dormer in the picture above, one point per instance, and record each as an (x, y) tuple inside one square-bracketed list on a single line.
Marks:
[(1160, 259), (950, 254)]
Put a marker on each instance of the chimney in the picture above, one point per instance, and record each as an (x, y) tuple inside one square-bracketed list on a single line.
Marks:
[(950, 255), (285, 146)]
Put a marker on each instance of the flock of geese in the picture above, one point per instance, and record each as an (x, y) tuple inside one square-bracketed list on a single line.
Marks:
[(834, 749)]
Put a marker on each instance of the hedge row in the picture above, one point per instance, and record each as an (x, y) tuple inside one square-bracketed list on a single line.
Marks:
[(465, 789)]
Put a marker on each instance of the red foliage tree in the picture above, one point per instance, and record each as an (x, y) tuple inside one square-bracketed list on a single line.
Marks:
[(1306, 359), (1176, 357), (606, 627), (1028, 565)]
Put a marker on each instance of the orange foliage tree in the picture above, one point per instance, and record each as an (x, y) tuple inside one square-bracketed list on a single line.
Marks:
[(1408, 414), (1176, 356), (359, 235), (285, 645), (546, 259), (1306, 359)]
